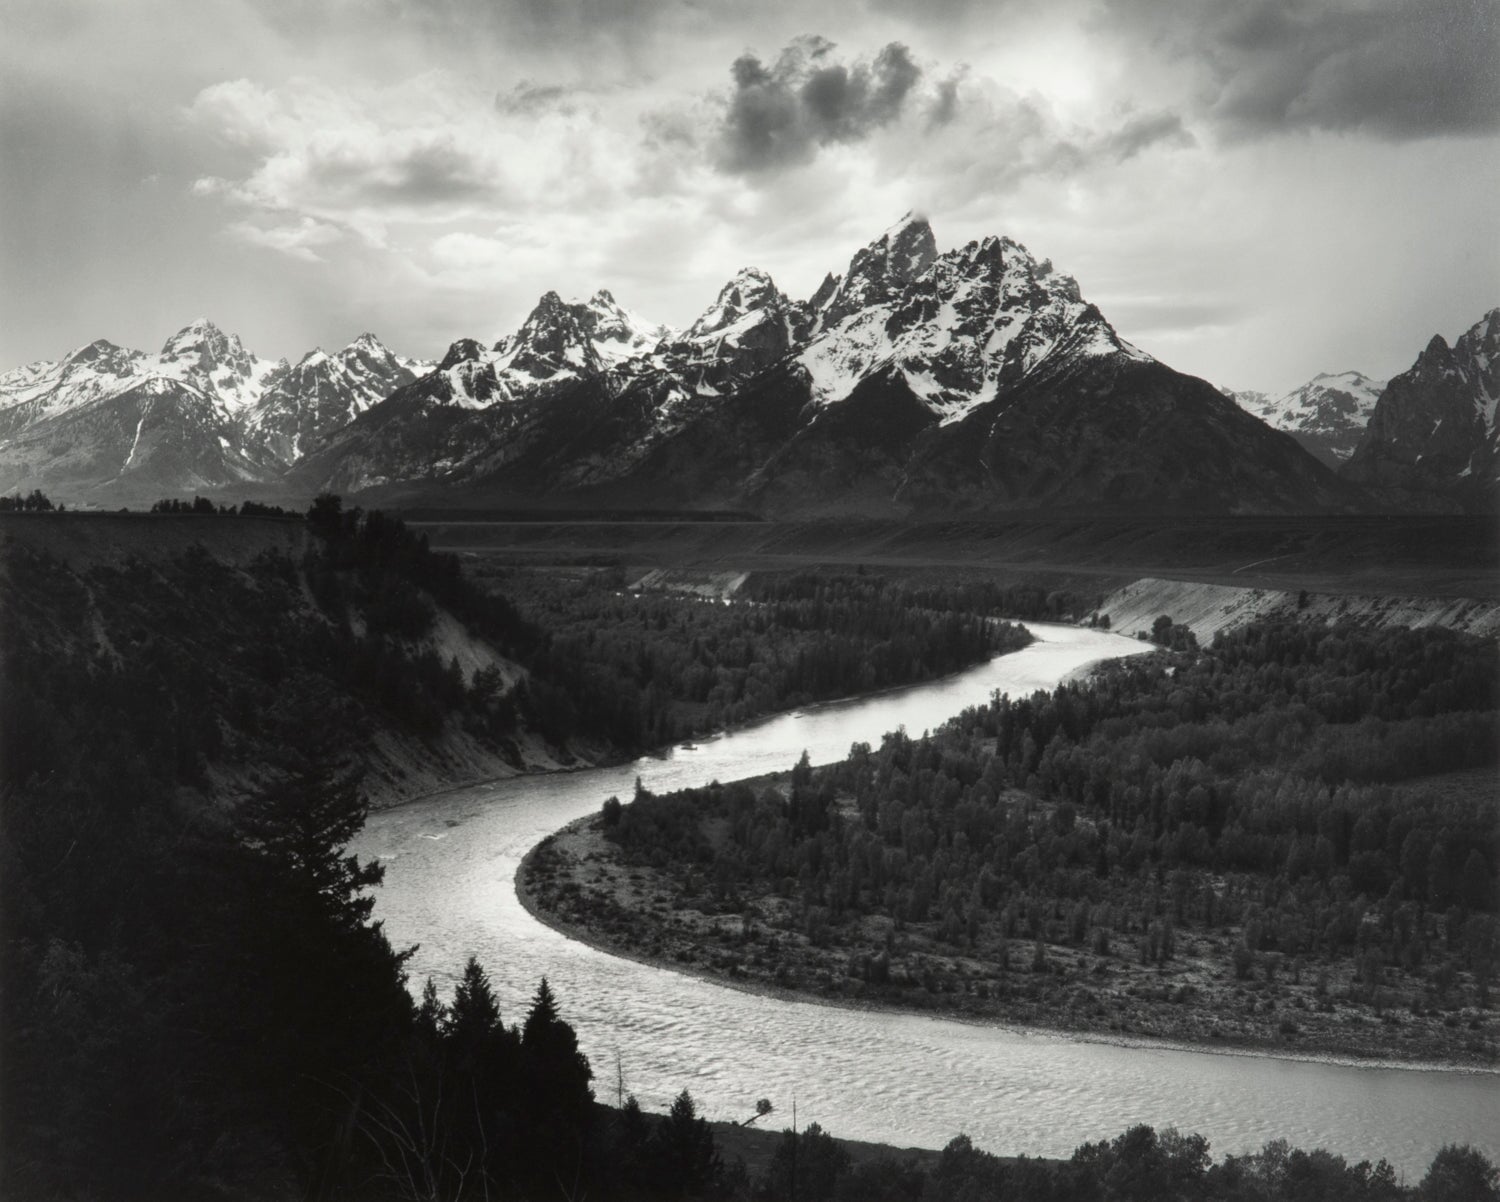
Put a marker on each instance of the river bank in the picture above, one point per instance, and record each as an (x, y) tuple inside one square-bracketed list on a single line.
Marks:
[(577, 882), (864, 1073)]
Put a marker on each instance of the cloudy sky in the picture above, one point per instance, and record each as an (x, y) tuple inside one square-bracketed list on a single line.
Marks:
[(1252, 190)]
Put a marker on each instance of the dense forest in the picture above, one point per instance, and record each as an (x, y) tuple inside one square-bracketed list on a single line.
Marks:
[(650, 668), (1248, 844), (1139, 1165), (196, 1002)]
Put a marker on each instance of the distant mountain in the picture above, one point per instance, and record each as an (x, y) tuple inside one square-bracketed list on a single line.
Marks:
[(320, 393), (1432, 440), (1327, 415), (977, 380), (106, 422)]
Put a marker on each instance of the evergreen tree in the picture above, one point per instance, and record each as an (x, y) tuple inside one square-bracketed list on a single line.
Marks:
[(555, 1077), (1460, 1174), (683, 1155), (303, 821), (806, 1166), (474, 1016)]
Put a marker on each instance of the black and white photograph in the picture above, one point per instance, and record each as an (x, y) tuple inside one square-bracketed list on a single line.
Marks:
[(749, 600)]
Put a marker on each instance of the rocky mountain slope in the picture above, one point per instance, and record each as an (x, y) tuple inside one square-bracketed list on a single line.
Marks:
[(1327, 415), (915, 381), (1432, 440), (108, 422), (973, 380)]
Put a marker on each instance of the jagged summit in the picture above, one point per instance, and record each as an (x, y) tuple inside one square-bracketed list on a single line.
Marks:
[(878, 272), (959, 326), (561, 339), (617, 333), (203, 340), (911, 245), (750, 290), (1432, 439), (100, 350), (977, 378), (461, 350)]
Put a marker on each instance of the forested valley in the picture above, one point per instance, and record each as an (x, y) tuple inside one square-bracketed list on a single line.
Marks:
[(1272, 842), (648, 668), (196, 1002)]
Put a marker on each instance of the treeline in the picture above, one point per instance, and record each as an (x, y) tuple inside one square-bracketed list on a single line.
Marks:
[(646, 669), (202, 505), (193, 656), (196, 1002), (1027, 602), (36, 501), (605, 666), (1139, 1165), (1255, 788)]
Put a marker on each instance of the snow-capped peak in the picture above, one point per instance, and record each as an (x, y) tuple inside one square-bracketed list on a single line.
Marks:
[(461, 350), (958, 326), (878, 272), (204, 357), (560, 339), (911, 246), (100, 352), (1327, 414), (202, 340), (617, 333), (749, 291), (367, 344)]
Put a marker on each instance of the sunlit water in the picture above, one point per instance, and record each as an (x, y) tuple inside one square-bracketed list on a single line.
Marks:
[(904, 1079)]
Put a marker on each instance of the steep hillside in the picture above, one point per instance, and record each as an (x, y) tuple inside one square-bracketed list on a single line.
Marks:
[(1207, 609), (1432, 441), (917, 381), (236, 617), (914, 382)]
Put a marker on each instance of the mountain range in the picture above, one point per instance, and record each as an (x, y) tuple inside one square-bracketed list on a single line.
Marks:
[(105, 422), (912, 382), (1327, 415), (976, 380)]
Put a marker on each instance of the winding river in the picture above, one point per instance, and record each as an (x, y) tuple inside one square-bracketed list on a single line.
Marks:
[(904, 1079)]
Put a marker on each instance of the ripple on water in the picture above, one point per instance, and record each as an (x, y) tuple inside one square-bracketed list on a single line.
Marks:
[(871, 1075)]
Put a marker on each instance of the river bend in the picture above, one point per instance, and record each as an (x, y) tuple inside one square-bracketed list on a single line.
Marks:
[(904, 1079)]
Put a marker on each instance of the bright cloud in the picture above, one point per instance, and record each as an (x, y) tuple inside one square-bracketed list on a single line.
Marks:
[(1255, 189)]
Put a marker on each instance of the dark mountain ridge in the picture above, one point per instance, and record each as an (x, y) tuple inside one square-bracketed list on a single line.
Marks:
[(915, 382), (976, 380), (1432, 442)]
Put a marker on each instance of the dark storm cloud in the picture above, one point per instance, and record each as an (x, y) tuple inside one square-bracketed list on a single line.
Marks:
[(1141, 132), (944, 106), (779, 115), (535, 22), (432, 174), (527, 99), (1397, 69)]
